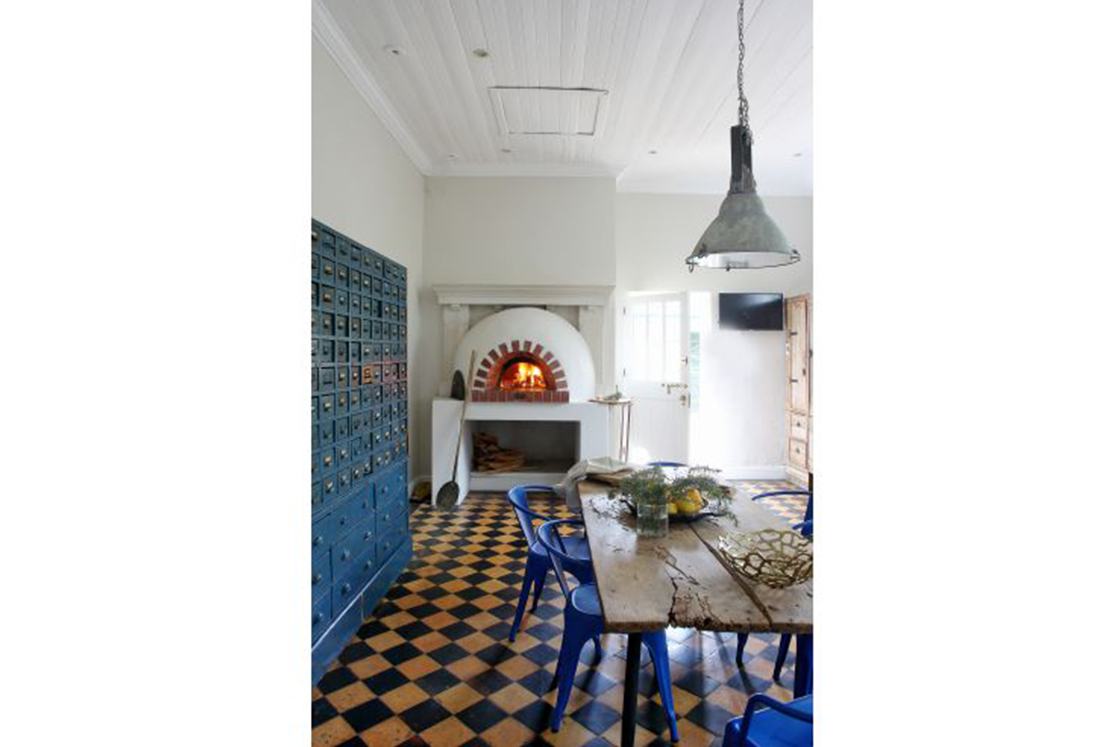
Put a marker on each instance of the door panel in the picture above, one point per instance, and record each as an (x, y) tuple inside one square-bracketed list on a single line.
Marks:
[(656, 376)]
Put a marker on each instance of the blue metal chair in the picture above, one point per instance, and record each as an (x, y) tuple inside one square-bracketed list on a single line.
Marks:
[(537, 564), (583, 620), (806, 528), (777, 725)]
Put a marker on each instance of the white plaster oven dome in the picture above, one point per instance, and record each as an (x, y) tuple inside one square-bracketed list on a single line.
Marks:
[(539, 327)]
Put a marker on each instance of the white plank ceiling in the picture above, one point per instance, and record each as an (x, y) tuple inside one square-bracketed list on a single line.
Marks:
[(667, 67)]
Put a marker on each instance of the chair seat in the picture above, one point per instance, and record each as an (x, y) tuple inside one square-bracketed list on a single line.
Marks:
[(585, 598), (772, 729)]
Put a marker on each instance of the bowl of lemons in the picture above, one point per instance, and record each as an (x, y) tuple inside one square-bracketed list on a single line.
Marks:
[(689, 505), (688, 493)]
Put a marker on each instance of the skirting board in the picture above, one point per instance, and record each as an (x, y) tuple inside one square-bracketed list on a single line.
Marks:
[(775, 472)]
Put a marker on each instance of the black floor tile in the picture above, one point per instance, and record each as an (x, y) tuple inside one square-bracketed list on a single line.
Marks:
[(370, 713), (336, 679)]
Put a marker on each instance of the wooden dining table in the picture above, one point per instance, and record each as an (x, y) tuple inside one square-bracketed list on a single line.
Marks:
[(648, 584)]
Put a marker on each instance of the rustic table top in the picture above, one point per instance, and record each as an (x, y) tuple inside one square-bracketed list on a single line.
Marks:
[(678, 581)]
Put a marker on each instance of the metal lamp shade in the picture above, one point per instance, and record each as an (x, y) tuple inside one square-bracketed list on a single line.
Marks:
[(742, 236)]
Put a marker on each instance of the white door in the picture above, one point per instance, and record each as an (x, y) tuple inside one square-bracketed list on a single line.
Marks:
[(655, 375)]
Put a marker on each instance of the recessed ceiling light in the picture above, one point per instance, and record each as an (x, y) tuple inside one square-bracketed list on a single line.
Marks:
[(393, 50), (481, 53), (506, 150), (653, 153), (797, 155), (452, 156)]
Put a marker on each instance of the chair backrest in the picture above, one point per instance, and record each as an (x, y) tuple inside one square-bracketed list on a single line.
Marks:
[(519, 499), (797, 710), (549, 535), (666, 464), (806, 524)]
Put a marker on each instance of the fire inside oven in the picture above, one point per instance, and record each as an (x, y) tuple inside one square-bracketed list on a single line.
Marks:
[(523, 374)]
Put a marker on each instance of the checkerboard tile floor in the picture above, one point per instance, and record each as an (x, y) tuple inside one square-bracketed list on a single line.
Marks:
[(433, 665)]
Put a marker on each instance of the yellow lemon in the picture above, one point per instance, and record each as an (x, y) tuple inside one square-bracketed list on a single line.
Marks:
[(693, 495), (689, 508), (672, 509)]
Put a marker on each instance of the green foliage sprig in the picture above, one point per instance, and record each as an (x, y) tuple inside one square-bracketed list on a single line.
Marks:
[(645, 486), (652, 485)]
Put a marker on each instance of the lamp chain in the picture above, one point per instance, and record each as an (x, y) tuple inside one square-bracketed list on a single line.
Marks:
[(748, 137)]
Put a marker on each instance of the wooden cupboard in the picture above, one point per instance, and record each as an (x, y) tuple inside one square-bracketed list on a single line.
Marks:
[(799, 390)]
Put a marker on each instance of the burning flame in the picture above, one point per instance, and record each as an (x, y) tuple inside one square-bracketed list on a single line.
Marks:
[(523, 375)]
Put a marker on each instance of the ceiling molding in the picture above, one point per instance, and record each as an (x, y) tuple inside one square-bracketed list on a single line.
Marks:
[(526, 169), (327, 31), (560, 295)]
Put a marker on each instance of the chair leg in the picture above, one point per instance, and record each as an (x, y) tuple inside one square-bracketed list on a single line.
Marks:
[(539, 588), (783, 651), (576, 633), (739, 648), (659, 652), (598, 649), (534, 574)]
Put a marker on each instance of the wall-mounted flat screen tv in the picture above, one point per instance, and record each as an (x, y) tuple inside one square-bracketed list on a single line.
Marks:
[(757, 311)]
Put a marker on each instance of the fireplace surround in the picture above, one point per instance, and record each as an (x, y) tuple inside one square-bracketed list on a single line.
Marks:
[(538, 350)]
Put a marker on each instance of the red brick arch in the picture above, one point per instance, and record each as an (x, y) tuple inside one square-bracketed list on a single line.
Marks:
[(485, 383)]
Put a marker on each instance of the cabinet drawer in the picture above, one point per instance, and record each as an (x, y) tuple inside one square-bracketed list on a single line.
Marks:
[(799, 453), (364, 536), (320, 616), (345, 590), (367, 565), (322, 535), (388, 543), (349, 514), (345, 552), (798, 426), (387, 516), (320, 576)]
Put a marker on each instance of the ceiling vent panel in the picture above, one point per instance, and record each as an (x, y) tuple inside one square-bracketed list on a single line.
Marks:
[(547, 111)]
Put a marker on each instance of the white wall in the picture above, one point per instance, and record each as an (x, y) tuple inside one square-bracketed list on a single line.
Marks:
[(742, 402), (520, 230), (512, 230), (364, 185)]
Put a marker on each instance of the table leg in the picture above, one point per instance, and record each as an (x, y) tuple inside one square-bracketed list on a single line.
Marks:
[(803, 666), (630, 691)]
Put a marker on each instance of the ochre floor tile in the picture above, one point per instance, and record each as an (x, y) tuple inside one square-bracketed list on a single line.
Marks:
[(350, 696), (451, 732), (461, 696), (391, 731), (506, 733), (404, 697), (331, 733), (369, 666)]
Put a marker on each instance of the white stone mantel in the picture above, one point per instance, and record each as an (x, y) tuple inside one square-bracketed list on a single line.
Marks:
[(523, 295)]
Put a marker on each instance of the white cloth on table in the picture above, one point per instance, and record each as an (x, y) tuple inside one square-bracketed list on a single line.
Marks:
[(569, 486)]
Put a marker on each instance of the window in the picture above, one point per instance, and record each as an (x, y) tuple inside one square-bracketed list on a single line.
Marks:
[(653, 339)]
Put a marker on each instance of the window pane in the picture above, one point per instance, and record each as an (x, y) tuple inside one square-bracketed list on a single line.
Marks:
[(637, 345), (656, 341), (672, 356)]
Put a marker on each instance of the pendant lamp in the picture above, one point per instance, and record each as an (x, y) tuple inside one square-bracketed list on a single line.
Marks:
[(742, 236)]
